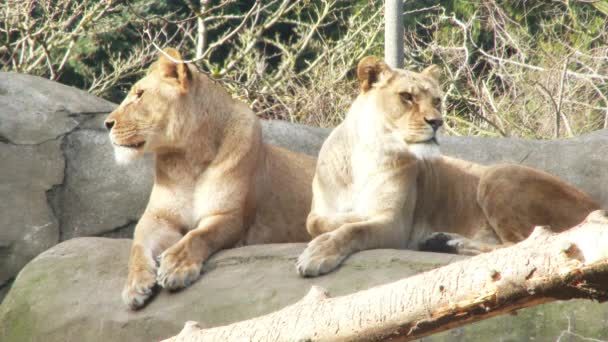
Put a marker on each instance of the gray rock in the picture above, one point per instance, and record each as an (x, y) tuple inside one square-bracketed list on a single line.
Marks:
[(295, 137), (27, 224), (4, 289), (58, 178), (72, 293), (582, 161), (34, 109), (98, 196), (35, 117)]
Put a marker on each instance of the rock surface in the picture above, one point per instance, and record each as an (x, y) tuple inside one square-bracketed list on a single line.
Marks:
[(582, 160), (35, 115), (59, 170), (58, 178), (72, 293), (34, 110)]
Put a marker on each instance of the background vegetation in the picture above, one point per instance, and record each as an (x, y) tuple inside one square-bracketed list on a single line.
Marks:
[(512, 68)]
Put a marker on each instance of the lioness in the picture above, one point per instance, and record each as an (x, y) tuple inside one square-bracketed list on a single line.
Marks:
[(381, 182), (216, 184)]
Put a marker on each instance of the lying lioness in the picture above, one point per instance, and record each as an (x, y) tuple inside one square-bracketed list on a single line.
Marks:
[(381, 182), (216, 184)]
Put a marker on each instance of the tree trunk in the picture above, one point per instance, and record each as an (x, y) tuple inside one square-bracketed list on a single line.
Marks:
[(543, 268)]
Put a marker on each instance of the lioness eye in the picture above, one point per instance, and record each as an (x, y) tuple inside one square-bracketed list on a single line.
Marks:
[(406, 97), (139, 93), (437, 103)]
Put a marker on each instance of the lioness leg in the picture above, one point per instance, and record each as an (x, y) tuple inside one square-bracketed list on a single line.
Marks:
[(320, 224), (515, 199), (327, 251), (180, 264), (153, 234)]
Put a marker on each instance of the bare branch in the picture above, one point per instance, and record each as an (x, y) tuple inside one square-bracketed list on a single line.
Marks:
[(543, 268)]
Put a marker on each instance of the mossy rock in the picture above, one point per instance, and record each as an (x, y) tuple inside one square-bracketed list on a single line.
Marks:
[(72, 293)]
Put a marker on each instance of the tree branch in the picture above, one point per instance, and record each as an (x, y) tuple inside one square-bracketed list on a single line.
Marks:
[(543, 268)]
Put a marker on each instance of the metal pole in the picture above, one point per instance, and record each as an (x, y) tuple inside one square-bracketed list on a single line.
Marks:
[(393, 33)]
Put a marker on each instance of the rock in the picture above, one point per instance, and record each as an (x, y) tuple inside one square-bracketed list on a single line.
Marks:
[(107, 199), (60, 170), (34, 109), (72, 293), (99, 197), (59, 179), (295, 137), (36, 117), (27, 223), (581, 160)]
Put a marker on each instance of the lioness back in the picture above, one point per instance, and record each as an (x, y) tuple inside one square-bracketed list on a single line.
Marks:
[(507, 191), (286, 203)]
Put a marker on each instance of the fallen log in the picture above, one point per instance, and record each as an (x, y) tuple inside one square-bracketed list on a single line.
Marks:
[(545, 267)]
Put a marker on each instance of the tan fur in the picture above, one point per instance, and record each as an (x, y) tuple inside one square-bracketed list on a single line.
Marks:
[(216, 184), (380, 182)]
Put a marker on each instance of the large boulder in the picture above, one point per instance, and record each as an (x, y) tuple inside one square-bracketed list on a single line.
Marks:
[(35, 116), (72, 293), (59, 179)]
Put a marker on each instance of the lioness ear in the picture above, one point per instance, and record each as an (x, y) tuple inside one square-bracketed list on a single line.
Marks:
[(171, 66), (369, 71), (432, 71)]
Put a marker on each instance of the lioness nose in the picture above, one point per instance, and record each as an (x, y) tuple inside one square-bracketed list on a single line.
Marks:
[(109, 124), (434, 123)]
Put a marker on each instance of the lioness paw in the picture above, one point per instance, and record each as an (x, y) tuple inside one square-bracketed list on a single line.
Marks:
[(440, 243), (176, 270), (451, 243), (139, 288), (322, 255)]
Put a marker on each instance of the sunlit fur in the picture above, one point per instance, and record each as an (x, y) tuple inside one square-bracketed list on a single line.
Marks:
[(380, 182), (428, 150), (125, 155), (216, 184)]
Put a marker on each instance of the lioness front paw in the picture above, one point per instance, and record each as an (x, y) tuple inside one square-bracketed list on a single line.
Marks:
[(321, 256), (139, 288), (177, 270)]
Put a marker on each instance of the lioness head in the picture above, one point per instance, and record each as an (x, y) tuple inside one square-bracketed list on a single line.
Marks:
[(408, 103), (155, 112)]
